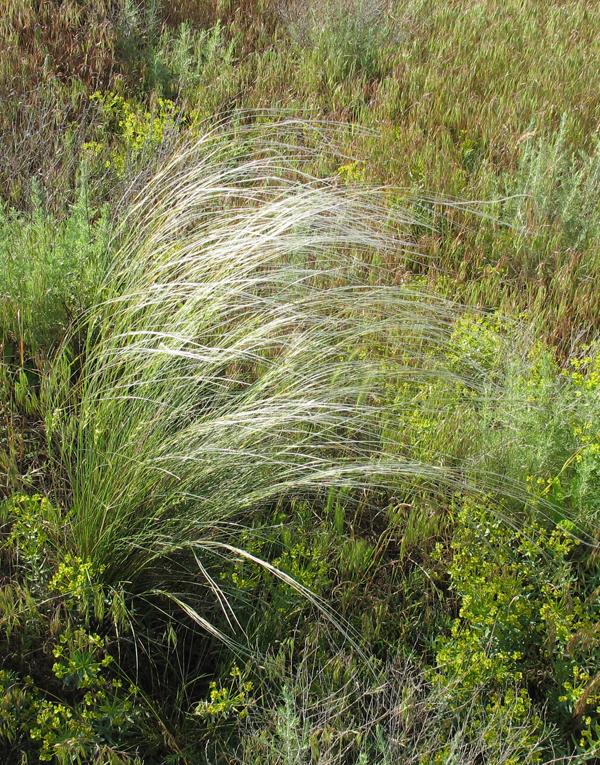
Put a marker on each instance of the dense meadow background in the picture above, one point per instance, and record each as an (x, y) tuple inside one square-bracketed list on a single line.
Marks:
[(300, 382)]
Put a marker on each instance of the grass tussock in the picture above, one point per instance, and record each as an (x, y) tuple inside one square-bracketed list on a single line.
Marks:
[(237, 357)]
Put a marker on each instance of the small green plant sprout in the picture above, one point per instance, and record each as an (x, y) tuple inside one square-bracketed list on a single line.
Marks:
[(80, 658), (77, 581), (352, 172), (225, 702), (33, 523)]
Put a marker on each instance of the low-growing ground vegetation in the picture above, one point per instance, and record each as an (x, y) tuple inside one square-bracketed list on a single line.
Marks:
[(299, 382)]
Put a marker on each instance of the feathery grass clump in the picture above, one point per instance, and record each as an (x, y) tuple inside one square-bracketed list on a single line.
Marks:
[(243, 353)]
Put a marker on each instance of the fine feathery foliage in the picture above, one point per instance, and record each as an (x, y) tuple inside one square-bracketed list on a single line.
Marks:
[(244, 351)]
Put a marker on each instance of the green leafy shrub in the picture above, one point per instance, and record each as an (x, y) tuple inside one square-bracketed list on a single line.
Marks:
[(525, 634), (129, 132), (62, 701), (49, 272), (190, 62), (557, 191)]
